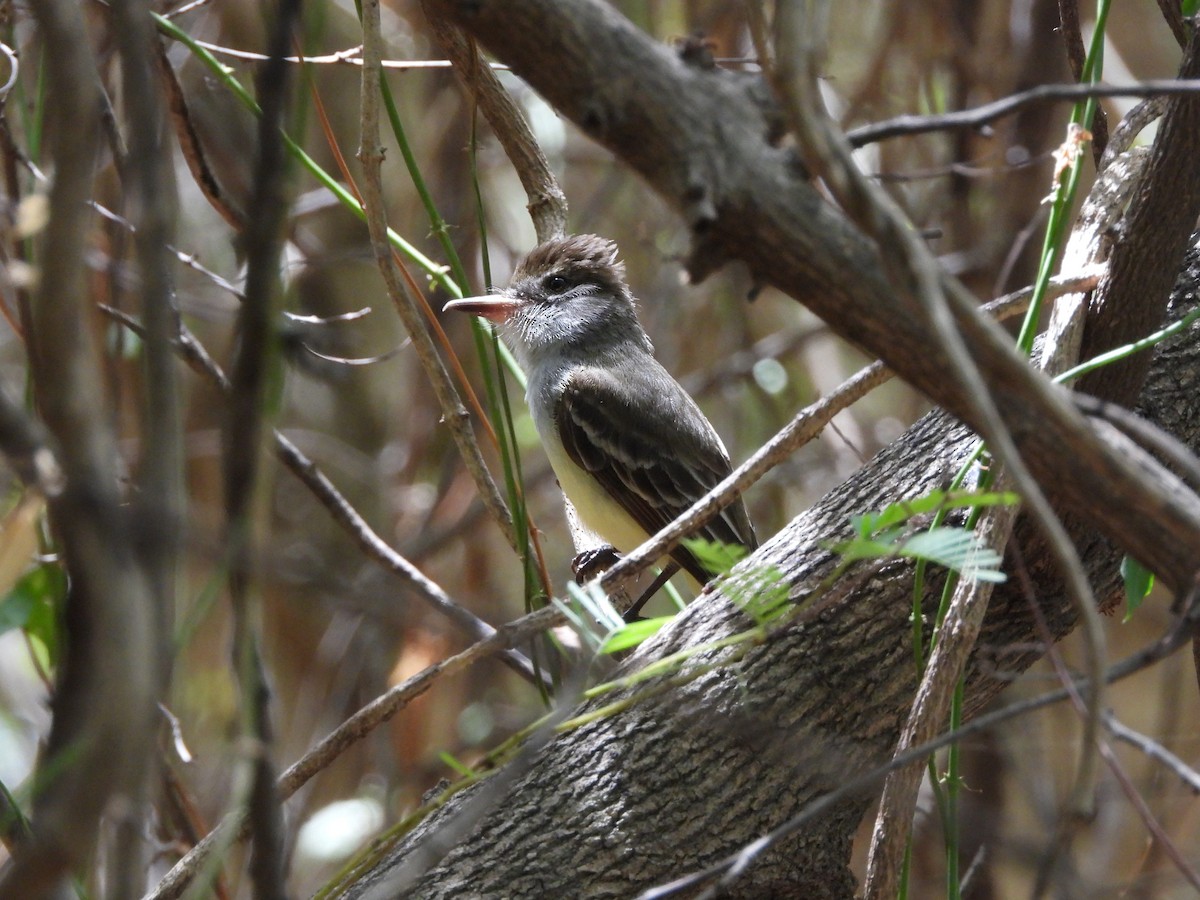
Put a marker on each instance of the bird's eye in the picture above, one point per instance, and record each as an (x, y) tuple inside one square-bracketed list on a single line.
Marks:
[(556, 284)]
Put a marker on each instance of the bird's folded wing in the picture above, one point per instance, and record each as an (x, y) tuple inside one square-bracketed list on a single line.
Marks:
[(654, 461)]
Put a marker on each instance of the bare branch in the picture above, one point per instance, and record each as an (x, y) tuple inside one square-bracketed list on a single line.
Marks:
[(377, 712), (105, 693), (402, 292), (902, 126), (547, 204), (256, 364)]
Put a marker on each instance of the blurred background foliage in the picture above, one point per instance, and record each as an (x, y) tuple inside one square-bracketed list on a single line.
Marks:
[(338, 628)]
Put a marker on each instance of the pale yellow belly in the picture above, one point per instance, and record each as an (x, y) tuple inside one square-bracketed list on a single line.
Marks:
[(597, 511)]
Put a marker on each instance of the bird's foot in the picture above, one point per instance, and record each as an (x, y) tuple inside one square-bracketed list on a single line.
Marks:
[(590, 563), (631, 614)]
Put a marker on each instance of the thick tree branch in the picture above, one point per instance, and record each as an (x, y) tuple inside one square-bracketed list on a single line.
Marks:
[(672, 785), (701, 138), (1132, 299)]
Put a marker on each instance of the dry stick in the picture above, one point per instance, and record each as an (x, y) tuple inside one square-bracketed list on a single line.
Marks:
[(160, 503), (1155, 751), (370, 154), (343, 512), (1060, 350), (911, 262), (913, 270), (348, 57), (374, 546), (434, 324), (957, 635), (955, 641), (989, 112), (1105, 752), (1132, 300), (433, 847), (192, 148), (257, 360), (1162, 443), (394, 699), (547, 204), (956, 638), (234, 827), (105, 698), (1174, 19)]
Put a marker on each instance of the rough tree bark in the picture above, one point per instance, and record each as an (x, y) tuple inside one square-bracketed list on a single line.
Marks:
[(680, 780), (676, 783), (703, 138)]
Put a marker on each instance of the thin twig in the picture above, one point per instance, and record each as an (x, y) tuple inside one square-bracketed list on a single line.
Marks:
[(192, 147), (944, 302), (982, 115), (257, 362), (956, 638), (547, 203), (1068, 827), (343, 512), (1155, 751), (370, 154), (105, 697), (1145, 433), (1174, 18), (233, 827), (351, 56), (159, 504)]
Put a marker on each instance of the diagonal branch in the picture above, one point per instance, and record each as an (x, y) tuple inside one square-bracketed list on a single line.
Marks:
[(745, 198)]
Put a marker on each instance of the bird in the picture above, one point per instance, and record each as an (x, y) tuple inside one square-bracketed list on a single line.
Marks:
[(630, 448)]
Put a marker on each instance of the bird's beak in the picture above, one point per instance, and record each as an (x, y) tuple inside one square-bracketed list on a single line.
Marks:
[(496, 307)]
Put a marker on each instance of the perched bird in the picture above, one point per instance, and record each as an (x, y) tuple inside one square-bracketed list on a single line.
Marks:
[(632, 451)]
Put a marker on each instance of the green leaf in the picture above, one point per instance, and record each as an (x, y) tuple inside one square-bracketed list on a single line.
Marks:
[(954, 548), (633, 634), (31, 605), (1189, 8), (1138, 582), (852, 551), (884, 534), (716, 557), (900, 512), (16, 608), (957, 549), (452, 762)]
